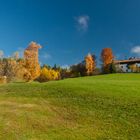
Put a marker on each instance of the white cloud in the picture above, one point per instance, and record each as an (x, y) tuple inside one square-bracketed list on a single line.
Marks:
[(136, 50), (82, 22)]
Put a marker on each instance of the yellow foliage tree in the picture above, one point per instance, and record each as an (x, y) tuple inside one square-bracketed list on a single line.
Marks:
[(90, 64), (48, 74), (31, 60)]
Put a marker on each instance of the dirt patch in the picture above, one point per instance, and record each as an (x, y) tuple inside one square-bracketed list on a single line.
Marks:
[(19, 105)]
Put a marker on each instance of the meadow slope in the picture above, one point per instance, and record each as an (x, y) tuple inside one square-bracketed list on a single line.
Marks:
[(89, 108)]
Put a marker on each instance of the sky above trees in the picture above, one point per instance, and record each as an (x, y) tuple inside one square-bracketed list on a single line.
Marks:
[(69, 29)]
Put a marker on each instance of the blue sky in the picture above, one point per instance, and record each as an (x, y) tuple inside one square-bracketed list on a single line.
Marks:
[(70, 29)]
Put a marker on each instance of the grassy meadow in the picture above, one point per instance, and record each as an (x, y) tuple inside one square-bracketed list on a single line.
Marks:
[(105, 107)]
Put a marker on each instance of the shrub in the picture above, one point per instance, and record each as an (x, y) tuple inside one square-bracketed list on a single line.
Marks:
[(3, 79), (48, 74)]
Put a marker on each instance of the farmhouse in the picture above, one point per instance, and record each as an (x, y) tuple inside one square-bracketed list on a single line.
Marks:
[(130, 65)]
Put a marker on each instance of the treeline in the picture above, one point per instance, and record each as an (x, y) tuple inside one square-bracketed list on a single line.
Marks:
[(29, 69), (87, 67)]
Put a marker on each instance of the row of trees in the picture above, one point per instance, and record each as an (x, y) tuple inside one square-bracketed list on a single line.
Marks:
[(13, 69), (89, 65), (28, 68)]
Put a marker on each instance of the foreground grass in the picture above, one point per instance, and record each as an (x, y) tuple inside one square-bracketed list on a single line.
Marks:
[(90, 108)]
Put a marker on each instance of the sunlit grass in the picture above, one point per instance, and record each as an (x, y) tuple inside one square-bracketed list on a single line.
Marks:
[(99, 107)]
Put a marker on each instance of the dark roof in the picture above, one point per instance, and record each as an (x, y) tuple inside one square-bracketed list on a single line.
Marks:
[(129, 61)]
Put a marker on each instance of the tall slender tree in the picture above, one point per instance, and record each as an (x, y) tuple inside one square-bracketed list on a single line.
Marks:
[(31, 59), (90, 64), (107, 59)]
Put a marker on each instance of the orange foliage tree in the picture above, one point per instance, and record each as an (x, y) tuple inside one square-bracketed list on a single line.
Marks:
[(90, 64), (107, 59), (31, 59)]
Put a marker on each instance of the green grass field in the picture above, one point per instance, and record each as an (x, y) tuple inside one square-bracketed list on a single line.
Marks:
[(91, 108)]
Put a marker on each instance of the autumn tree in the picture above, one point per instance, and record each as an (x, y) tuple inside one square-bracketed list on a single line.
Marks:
[(15, 68), (8, 68), (133, 67), (90, 64), (48, 74), (107, 59), (31, 59)]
